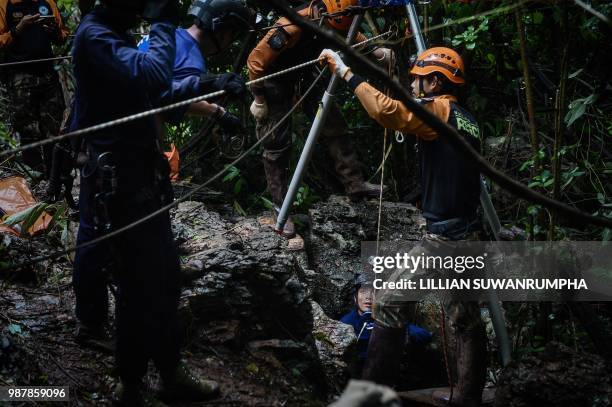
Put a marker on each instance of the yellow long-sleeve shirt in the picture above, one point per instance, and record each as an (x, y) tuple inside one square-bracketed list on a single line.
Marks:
[(393, 115), (285, 46)]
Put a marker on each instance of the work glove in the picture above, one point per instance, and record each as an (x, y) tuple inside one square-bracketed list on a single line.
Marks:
[(162, 11), (335, 62), (230, 123), (232, 83), (259, 111), (25, 22), (388, 58), (51, 26)]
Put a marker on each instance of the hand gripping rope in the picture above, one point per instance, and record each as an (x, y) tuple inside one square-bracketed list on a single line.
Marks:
[(172, 106), (178, 200)]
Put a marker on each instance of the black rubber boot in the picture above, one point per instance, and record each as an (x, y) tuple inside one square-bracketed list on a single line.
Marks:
[(348, 168), (276, 177), (95, 337), (471, 366), (365, 190), (134, 395), (384, 355), (180, 384)]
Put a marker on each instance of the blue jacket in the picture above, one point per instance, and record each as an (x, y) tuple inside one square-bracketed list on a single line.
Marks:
[(189, 66), (363, 325), (114, 79)]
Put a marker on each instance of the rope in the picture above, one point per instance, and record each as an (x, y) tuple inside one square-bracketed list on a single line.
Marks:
[(589, 9), (34, 61), (177, 201), (382, 165), (382, 184), (445, 352), (162, 109)]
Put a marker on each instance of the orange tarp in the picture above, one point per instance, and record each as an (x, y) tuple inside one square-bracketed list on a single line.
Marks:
[(15, 196), (174, 161)]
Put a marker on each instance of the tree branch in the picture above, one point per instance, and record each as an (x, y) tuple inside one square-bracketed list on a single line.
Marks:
[(437, 125)]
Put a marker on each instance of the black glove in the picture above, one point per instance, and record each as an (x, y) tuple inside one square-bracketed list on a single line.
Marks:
[(162, 11), (232, 83), (230, 123)]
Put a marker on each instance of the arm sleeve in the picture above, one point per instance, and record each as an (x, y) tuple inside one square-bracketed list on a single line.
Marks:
[(6, 38), (360, 37), (117, 60), (63, 31), (180, 90), (392, 114), (263, 55)]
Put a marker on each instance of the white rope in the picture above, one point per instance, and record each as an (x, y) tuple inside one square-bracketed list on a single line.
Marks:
[(34, 61), (166, 108), (176, 201)]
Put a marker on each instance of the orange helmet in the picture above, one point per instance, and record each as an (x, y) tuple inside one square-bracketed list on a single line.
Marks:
[(440, 59), (341, 22)]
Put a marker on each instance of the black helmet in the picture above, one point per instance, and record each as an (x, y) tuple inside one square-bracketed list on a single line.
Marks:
[(363, 280), (215, 15), (127, 6), (149, 9)]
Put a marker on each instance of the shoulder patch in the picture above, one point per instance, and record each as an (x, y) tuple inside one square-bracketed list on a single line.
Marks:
[(466, 125), (279, 39)]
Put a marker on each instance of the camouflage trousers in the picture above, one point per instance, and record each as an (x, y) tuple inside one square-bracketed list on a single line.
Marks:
[(392, 310), (36, 108)]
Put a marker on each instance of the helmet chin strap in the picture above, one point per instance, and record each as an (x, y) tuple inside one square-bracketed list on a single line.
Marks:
[(215, 42), (422, 93)]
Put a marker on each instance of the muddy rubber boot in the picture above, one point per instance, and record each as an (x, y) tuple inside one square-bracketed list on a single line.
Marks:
[(348, 168), (180, 384), (276, 177), (385, 349), (365, 190), (471, 366), (134, 395), (94, 337)]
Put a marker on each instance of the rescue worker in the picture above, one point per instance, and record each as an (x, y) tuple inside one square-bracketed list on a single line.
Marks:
[(28, 28), (217, 24), (284, 47), (124, 179), (360, 318), (451, 190)]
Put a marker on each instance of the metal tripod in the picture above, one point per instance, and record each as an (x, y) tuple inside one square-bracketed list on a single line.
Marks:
[(313, 135)]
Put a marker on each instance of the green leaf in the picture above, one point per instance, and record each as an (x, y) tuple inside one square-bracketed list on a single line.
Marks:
[(27, 217), (239, 209), (232, 173), (574, 74), (533, 210), (238, 186), (606, 235), (14, 329), (267, 203), (577, 108), (538, 17), (526, 164), (601, 198)]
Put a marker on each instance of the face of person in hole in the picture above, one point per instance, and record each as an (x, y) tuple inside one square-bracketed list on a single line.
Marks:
[(364, 299)]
